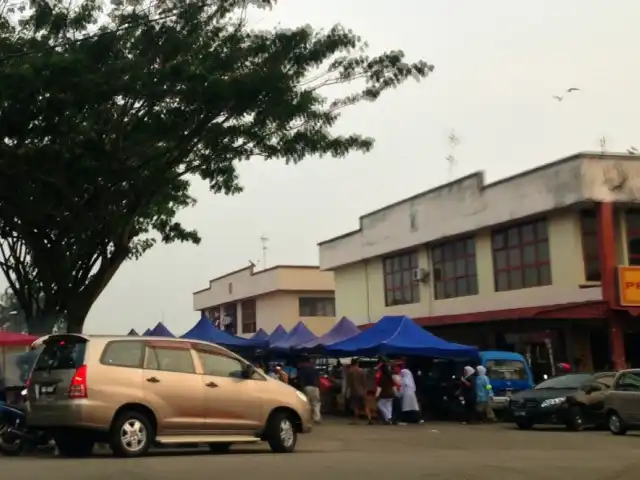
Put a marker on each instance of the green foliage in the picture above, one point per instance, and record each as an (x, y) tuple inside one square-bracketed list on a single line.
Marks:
[(108, 111)]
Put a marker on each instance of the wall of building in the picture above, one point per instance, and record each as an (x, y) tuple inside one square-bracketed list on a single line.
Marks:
[(360, 286), (247, 283), (468, 205), (282, 308)]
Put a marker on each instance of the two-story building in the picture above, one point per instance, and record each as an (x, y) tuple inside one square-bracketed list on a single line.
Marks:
[(528, 263), (280, 295)]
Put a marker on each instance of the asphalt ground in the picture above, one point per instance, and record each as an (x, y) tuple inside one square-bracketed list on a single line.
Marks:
[(336, 450)]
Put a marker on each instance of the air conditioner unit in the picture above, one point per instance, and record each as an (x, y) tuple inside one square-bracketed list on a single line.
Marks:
[(420, 275)]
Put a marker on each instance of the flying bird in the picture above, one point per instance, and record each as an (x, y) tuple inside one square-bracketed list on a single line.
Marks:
[(559, 98)]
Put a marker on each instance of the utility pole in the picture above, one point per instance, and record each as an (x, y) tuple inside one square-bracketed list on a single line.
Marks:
[(603, 144), (264, 241)]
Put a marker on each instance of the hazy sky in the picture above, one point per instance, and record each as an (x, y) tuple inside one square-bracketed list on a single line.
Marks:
[(497, 64)]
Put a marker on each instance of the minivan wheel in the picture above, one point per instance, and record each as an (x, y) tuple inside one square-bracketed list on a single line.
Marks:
[(281, 433), (74, 445), (616, 425), (131, 434)]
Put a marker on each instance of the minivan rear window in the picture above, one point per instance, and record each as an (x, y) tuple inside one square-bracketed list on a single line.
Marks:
[(61, 354), (506, 370), (123, 353)]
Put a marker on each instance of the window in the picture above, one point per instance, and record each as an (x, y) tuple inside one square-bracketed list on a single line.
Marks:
[(399, 286), (506, 370), (62, 354), (521, 256), (123, 354), (590, 252), (317, 307), (248, 310), (169, 360), (220, 365), (629, 382), (633, 236), (454, 267)]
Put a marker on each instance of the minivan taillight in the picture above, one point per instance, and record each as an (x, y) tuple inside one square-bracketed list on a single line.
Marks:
[(78, 385)]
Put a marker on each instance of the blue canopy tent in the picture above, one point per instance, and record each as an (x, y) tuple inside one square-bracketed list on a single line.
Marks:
[(146, 333), (205, 331), (298, 335), (342, 330), (260, 335), (133, 333), (278, 334), (160, 331), (399, 335)]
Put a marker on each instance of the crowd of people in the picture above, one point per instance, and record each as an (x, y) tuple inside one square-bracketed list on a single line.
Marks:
[(395, 399)]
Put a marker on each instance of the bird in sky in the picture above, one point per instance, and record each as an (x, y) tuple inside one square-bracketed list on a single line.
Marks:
[(559, 98)]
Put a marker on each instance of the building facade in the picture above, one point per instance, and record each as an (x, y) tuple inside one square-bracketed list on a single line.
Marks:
[(245, 300), (529, 263)]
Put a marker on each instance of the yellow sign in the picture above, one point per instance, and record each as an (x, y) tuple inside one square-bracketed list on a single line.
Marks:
[(629, 285)]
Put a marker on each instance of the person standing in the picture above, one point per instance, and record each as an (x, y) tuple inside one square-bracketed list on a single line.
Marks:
[(409, 400), (281, 374), (357, 390), (386, 391), (468, 394), (484, 394), (309, 379)]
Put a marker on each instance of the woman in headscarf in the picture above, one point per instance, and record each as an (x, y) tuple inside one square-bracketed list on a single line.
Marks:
[(468, 394), (410, 406), (484, 394)]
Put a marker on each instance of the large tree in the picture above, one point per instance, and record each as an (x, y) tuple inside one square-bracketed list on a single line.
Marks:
[(107, 112)]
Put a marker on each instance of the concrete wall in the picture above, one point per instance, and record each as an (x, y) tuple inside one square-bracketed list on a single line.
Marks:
[(282, 308), (246, 283), (360, 286), (469, 205)]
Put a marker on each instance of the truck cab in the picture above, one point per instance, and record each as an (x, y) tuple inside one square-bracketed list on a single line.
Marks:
[(508, 372)]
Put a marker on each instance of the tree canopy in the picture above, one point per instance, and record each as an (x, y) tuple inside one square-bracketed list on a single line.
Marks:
[(108, 111)]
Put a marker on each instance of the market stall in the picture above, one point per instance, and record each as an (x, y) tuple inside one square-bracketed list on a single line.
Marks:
[(205, 331)]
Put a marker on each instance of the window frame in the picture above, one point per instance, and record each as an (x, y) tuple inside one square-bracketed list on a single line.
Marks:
[(631, 234), (251, 326), (141, 359), (151, 346), (395, 266), (586, 232), (538, 239), (314, 311), (460, 252)]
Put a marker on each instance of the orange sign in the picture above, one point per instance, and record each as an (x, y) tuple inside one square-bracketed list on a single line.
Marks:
[(629, 285)]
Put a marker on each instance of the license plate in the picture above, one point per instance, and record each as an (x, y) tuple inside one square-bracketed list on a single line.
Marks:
[(47, 389), (521, 414)]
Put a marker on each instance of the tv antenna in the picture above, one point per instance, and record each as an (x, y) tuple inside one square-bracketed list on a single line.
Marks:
[(454, 141), (263, 241), (603, 144)]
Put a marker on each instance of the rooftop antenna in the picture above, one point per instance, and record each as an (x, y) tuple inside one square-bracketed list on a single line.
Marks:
[(454, 141), (603, 144), (264, 240)]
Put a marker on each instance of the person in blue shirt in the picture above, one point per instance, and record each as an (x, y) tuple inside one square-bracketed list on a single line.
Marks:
[(484, 395)]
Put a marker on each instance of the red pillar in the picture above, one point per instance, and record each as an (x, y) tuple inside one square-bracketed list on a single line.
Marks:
[(606, 241)]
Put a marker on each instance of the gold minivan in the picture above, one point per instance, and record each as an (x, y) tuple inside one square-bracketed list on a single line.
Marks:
[(135, 392)]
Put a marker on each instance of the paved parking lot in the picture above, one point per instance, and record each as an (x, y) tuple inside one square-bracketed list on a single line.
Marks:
[(339, 451)]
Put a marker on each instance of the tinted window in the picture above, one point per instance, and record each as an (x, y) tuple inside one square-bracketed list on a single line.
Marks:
[(220, 366), (566, 381), (169, 360), (123, 354), (62, 354), (629, 382), (506, 370)]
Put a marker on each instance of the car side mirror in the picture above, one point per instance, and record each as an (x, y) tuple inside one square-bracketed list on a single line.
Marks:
[(248, 371)]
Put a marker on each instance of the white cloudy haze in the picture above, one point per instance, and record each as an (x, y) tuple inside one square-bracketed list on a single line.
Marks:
[(497, 65)]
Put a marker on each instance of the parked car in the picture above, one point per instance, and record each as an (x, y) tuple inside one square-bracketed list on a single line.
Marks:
[(575, 400), (134, 392), (622, 405)]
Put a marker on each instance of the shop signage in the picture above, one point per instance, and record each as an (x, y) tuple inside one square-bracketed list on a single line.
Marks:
[(629, 286)]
